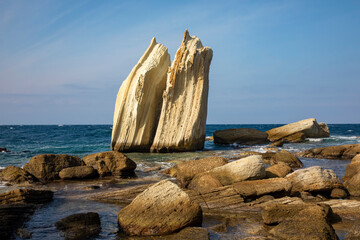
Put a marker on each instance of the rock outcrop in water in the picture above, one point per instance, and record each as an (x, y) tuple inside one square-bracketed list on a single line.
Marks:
[(183, 115), (163, 109), (139, 100)]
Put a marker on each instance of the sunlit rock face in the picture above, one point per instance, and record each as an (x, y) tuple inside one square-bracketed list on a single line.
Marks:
[(184, 108), (139, 101)]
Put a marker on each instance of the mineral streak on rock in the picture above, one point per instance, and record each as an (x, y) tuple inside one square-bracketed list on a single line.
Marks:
[(184, 109), (139, 100)]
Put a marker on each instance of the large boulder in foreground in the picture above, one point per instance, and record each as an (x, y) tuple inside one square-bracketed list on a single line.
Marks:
[(80, 226), (186, 171), (16, 175), (345, 152), (139, 100), (110, 163), (79, 172), (161, 209), (182, 120), (295, 132), (314, 179), (244, 136), (46, 167), (249, 168)]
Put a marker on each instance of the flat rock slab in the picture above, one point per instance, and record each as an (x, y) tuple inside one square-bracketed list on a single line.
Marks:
[(245, 136), (345, 152)]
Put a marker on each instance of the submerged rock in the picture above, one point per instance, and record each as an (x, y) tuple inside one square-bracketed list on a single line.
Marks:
[(139, 101), (46, 167), (333, 152), (182, 120), (298, 131), (110, 163), (16, 175), (80, 226), (79, 172), (245, 136), (161, 209)]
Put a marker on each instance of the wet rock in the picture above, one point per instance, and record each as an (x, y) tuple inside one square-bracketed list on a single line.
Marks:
[(298, 131), (161, 209), (79, 172), (110, 163), (245, 136), (252, 167), (287, 158), (139, 101), (314, 179), (182, 122), (16, 175), (152, 169), (185, 171), (46, 167), (333, 152), (354, 233), (338, 193), (172, 172), (278, 170), (23, 233), (80, 226), (204, 183), (3, 150), (189, 233), (26, 196)]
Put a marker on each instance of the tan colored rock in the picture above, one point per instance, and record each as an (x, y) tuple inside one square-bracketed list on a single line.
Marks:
[(185, 171), (353, 185), (139, 100), (204, 183), (338, 193), (350, 170), (16, 175), (309, 127), (252, 167), (46, 167), (314, 179), (161, 209), (110, 163), (287, 158), (245, 136), (183, 116), (278, 170), (333, 152), (26, 196), (257, 188), (79, 172), (356, 159)]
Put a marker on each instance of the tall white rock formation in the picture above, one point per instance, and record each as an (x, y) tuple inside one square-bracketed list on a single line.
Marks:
[(184, 109), (139, 101)]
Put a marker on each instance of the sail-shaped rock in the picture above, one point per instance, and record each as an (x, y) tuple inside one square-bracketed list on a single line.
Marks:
[(139, 100), (183, 116)]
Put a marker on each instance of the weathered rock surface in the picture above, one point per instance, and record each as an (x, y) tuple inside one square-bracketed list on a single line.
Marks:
[(16, 175), (252, 167), (338, 193), (80, 226), (26, 196), (79, 172), (245, 136), (356, 159), (314, 179), (186, 171), (161, 209), (139, 101), (46, 167), (287, 158), (183, 115), (354, 233), (353, 185), (110, 163), (351, 169), (298, 131), (332, 152), (278, 170), (204, 183)]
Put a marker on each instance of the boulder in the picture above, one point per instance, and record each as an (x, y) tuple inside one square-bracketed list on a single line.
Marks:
[(185, 171), (287, 158), (333, 152), (204, 183), (338, 193), (314, 179), (26, 196), (16, 175), (80, 226), (110, 163), (356, 159), (161, 209), (298, 131), (3, 149), (354, 232), (278, 170), (139, 100), (182, 122), (79, 172), (353, 185), (350, 170), (46, 167), (244, 136), (252, 167)]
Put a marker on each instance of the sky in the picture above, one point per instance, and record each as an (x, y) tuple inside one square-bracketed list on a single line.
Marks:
[(62, 62)]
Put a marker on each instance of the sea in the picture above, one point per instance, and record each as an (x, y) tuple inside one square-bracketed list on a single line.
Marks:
[(22, 142)]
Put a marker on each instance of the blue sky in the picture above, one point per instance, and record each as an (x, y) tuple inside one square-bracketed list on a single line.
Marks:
[(62, 62)]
